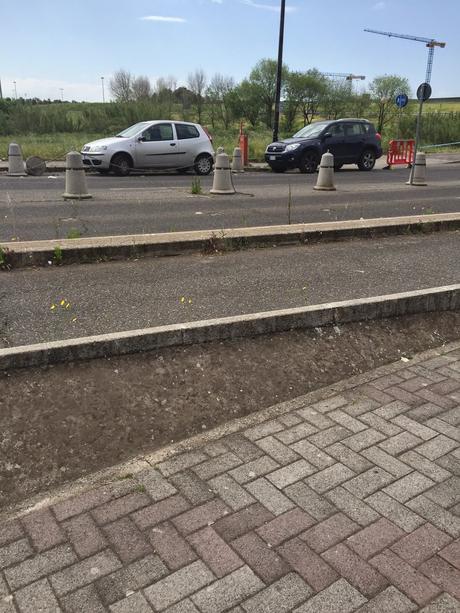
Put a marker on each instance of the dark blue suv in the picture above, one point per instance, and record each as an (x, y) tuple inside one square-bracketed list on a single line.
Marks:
[(351, 141)]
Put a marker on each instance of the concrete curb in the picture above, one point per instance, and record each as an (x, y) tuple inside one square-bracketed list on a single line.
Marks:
[(145, 461), (85, 250), (134, 341)]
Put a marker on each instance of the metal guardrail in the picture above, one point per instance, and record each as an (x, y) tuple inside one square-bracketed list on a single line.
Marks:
[(441, 145)]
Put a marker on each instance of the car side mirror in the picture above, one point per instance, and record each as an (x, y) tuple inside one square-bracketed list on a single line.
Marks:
[(141, 139), (327, 135)]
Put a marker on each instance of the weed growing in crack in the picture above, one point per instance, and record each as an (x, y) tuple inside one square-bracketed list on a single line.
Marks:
[(73, 233), (5, 259), (57, 257), (196, 186)]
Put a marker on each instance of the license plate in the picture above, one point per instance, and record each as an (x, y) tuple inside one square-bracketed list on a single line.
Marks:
[(273, 157)]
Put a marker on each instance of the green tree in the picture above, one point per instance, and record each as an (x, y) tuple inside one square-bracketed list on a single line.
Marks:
[(164, 91), (219, 96), (383, 90), (141, 88), (303, 92), (197, 85), (263, 78), (185, 98), (245, 102), (361, 104), (337, 99), (120, 86)]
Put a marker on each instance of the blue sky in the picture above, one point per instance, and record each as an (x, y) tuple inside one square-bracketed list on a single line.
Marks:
[(54, 44)]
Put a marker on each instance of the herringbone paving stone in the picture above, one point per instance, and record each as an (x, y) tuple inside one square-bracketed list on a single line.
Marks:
[(344, 500)]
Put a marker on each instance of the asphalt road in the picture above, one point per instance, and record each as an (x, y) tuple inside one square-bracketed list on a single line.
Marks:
[(32, 208), (117, 296)]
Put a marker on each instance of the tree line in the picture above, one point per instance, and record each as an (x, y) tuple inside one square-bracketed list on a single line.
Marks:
[(305, 95), (221, 103)]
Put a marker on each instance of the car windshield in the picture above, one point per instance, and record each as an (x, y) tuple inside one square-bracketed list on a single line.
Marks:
[(314, 129), (132, 130)]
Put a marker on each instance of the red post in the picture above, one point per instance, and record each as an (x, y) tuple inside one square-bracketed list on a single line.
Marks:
[(244, 146)]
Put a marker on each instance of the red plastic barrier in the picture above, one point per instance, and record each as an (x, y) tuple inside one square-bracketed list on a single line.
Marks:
[(244, 146), (400, 152)]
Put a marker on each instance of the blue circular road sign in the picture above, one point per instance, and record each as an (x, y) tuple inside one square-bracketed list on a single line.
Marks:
[(401, 100), (424, 92)]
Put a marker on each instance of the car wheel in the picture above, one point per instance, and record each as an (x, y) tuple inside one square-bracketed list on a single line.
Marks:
[(367, 160), (203, 164), (121, 164), (309, 162)]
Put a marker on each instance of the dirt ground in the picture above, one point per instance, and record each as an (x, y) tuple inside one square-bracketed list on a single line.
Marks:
[(60, 423)]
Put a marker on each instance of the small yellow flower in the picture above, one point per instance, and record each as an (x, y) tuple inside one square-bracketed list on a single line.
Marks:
[(74, 320), (53, 306), (67, 306), (182, 299), (62, 303), (190, 301)]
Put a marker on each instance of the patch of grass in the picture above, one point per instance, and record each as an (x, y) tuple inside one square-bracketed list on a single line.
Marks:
[(196, 186), (140, 488), (47, 146), (57, 257), (289, 204), (73, 233), (5, 260)]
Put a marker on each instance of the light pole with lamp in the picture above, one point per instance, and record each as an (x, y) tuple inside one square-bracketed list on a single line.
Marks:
[(276, 120), (103, 93)]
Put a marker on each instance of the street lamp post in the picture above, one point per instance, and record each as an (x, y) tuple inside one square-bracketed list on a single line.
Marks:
[(61, 89), (276, 120), (15, 90), (103, 93)]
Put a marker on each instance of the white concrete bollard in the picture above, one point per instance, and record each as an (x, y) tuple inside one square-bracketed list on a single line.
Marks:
[(237, 161), (15, 161), (222, 182), (325, 179), (419, 170), (75, 178)]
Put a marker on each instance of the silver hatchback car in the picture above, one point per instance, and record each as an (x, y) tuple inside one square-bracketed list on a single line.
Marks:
[(159, 144)]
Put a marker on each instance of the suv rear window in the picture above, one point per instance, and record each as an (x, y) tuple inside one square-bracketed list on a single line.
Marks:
[(186, 131), (368, 128), (353, 129)]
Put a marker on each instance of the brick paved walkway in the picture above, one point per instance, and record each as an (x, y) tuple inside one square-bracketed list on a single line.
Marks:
[(346, 503)]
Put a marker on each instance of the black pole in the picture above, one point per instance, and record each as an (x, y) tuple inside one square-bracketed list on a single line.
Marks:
[(276, 120)]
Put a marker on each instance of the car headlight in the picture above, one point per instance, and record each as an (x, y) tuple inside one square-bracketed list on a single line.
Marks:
[(98, 148), (292, 147)]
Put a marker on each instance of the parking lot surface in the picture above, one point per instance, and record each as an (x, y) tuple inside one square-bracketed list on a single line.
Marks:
[(33, 208)]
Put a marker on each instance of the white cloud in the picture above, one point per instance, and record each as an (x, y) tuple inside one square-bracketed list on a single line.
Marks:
[(267, 7), (163, 19), (379, 6)]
